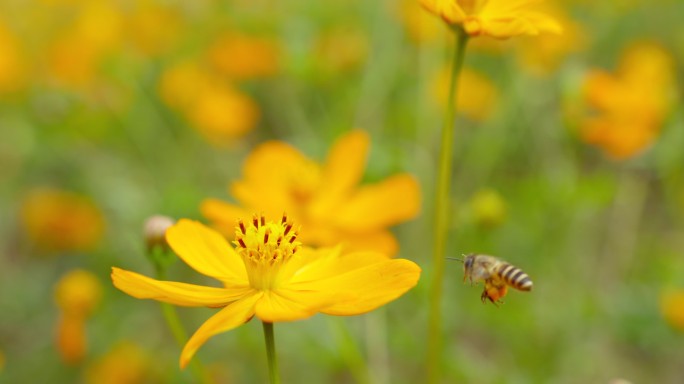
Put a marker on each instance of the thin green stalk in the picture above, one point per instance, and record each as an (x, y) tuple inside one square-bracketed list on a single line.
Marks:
[(349, 349), (178, 332), (442, 213), (270, 353)]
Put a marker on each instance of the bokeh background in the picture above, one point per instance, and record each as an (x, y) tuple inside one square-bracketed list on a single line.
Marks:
[(569, 163)]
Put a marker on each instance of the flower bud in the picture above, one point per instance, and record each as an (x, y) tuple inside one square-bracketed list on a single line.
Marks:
[(155, 231)]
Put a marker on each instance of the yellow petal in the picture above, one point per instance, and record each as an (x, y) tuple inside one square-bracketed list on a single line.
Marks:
[(288, 305), (381, 241), (224, 216), (331, 265), (269, 172), (371, 287), (342, 171), (226, 319), (206, 251), (449, 10), (506, 18), (143, 287), (376, 206)]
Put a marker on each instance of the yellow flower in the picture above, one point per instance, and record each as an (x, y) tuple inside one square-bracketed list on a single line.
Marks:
[(541, 55), (270, 275), (153, 27), (419, 26), (497, 18), (245, 57), (324, 198), (11, 62), (629, 107), (222, 114), (61, 221), (216, 109), (125, 363), (77, 293), (672, 308), (74, 57)]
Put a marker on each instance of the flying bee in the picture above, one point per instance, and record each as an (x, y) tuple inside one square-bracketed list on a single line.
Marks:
[(497, 275)]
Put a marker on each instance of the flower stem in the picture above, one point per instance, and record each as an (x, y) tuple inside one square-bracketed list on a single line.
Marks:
[(178, 332), (442, 213), (270, 353)]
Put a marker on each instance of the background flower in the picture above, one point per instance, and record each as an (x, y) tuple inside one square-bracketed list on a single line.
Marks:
[(325, 198)]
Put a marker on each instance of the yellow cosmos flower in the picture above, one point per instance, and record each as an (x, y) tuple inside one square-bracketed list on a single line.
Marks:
[(12, 66), (269, 274), (125, 363), (324, 198), (629, 108), (61, 221), (244, 57), (76, 294), (214, 107), (672, 308), (496, 18)]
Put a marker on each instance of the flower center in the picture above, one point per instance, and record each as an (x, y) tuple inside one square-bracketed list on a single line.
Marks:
[(265, 247)]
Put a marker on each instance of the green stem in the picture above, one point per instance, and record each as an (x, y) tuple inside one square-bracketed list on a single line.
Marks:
[(270, 353), (442, 213), (178, 332)]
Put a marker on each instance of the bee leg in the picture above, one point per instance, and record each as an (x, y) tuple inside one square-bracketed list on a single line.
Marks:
[(485, 296)]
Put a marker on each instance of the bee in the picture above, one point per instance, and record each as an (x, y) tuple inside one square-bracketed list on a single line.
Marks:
[(497, 275)]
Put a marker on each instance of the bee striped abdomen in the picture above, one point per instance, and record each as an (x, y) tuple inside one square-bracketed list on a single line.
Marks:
[(515, 277)]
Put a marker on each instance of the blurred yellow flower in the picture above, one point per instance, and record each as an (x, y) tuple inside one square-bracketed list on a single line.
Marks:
[(222, 114), (419, 26), (324, 198), (217, 110), (12, 65), (477, 96), (488, 208), (241, 56), (630, 106), (74, 56), (496, 18), (153, 27), (125, 363), (61, 221), (672, 308), (543, 54), (76, 294), (270, 275)]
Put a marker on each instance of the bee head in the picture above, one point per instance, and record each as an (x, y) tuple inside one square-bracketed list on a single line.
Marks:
[(468, 261)]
